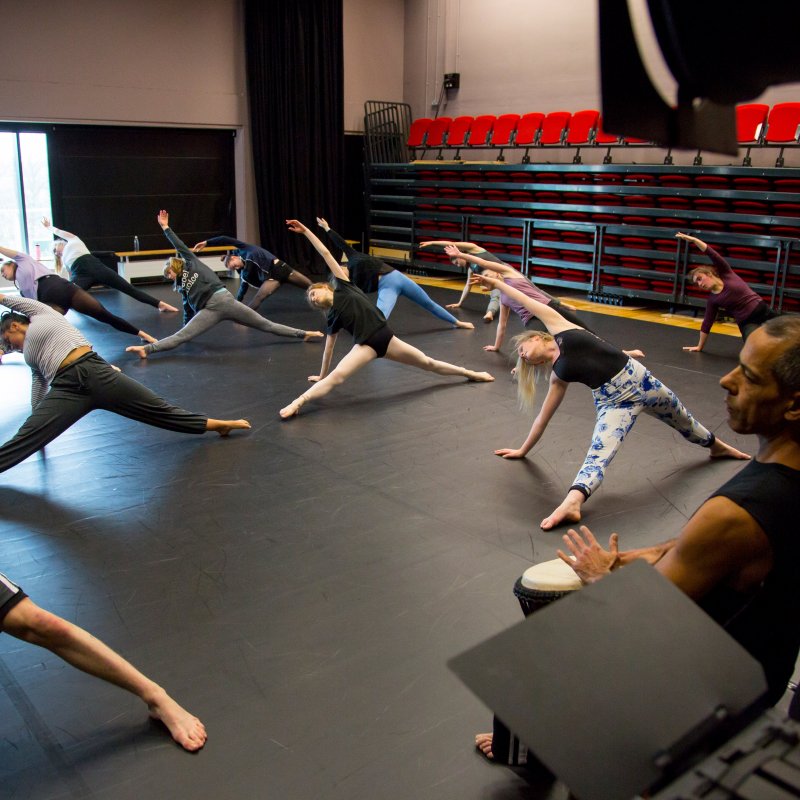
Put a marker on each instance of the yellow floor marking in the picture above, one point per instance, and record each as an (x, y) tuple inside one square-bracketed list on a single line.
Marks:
[(629, 312)]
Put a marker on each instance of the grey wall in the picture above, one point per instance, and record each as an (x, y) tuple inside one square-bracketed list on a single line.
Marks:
[(527, 55), (180, 62)]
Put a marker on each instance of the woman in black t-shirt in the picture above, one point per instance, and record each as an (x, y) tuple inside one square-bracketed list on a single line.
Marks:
[(348, 308), (622, 388)]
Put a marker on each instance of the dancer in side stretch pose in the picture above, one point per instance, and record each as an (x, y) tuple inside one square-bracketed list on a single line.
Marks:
[(370, 274), (511, 276), (349, 308), (35, 281), (24, 620), (622, 389), (257, 267), (86, 270), (206, 301), (476, 250), (70, 380), (727, 292)]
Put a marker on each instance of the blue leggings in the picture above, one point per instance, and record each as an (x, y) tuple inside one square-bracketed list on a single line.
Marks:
[(633, 390), (395, 283)]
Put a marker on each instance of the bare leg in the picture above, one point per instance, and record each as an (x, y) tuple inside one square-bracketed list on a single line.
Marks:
[(569, 510), (224, 426), (28, 622), (357, 358), (404, 353)]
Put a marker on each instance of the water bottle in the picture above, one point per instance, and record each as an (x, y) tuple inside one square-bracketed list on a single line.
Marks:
[(37, 252), (136, 243)]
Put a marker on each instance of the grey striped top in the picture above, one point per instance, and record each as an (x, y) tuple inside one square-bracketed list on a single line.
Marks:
[(48, 341)]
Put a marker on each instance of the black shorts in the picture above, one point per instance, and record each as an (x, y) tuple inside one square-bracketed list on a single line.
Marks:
[(379, 341), (279, 271), (10, 595), (55, 291)]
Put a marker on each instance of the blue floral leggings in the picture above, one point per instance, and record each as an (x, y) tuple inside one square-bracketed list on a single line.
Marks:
[(619, 402)]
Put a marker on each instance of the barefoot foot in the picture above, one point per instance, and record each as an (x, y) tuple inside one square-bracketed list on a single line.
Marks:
[(569, 511), (488, 317), (162, 306), (467, 326), (224, 426), (483, 741), (138, 349), (722, 450), (146, 337), (312, 336), (185, 728), (293, 408), (479, 377)]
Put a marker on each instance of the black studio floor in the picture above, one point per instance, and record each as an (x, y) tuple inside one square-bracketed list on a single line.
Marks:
[(301, 587)]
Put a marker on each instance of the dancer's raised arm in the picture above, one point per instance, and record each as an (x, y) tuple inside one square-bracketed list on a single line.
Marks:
[(57, 231), (552, 320), (7, 252), (482, 263), (295, 226)]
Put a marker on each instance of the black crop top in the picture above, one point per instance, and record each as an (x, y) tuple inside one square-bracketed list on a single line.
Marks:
[(586, 358)]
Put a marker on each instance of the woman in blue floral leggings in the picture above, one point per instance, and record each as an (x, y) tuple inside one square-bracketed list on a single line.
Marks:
[(622, 388)]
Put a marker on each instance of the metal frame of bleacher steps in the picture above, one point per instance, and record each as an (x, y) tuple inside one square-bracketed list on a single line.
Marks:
[(408, 202)]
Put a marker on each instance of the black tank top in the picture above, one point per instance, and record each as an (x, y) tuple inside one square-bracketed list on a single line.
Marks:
[(586, 358), (766, 622)]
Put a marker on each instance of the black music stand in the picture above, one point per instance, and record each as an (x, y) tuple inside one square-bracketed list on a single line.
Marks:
[(619, 687)]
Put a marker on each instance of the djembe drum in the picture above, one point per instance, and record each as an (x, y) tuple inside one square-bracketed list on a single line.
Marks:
[(536, 588), (543, 583)]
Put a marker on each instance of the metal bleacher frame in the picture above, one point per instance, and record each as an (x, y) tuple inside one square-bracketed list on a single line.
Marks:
[(564, 226)]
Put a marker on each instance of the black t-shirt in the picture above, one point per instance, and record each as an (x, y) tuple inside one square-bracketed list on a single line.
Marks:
[(364, 270), (353, 312), (585, 358), (766, 622)]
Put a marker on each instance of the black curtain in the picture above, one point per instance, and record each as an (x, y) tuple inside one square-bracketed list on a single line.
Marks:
[(295, 80)]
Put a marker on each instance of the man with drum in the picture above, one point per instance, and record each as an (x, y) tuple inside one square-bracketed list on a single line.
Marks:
[(738, 556)]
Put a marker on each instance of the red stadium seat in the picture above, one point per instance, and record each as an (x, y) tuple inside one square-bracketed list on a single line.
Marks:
[(458, 133), (503, 132), (783, 124), (751, 121), (554, 128), (582, 129), (481, 130), (437, 134), (528, 129), (417, 133)]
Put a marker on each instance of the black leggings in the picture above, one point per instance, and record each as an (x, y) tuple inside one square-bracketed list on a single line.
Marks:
[(83, 386), (65, 295), (88, 271), (762, 313)]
